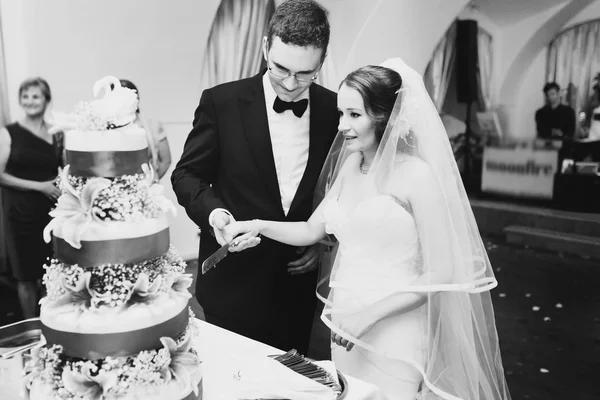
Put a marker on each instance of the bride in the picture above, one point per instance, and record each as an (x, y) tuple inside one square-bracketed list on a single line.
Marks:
[(409, 307)]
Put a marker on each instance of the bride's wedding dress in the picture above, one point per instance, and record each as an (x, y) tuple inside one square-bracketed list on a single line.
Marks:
[(378, 253), (448, 348)]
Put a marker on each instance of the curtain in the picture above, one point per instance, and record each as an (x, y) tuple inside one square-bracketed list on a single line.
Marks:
[(440, 68), (573, 61), (4, 119), (328, 76), (485, 70), (234, 49)]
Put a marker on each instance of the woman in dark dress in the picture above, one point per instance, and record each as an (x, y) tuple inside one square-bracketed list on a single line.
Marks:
[(30, 158)]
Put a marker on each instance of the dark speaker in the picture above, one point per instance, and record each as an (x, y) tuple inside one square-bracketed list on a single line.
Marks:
[(467, 88)]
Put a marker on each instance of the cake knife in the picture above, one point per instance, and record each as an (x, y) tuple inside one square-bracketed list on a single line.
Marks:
[(215, 257), (218, 255)]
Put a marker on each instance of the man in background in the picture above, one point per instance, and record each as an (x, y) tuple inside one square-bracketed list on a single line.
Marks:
[(554, 120)]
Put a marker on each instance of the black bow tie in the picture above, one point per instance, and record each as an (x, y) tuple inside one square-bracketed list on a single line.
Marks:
[(298, 107)]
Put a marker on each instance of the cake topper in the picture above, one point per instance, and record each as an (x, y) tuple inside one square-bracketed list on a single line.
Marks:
[(116, 109)]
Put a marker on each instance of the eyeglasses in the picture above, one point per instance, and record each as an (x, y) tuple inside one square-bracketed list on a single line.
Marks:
[(299, 76)]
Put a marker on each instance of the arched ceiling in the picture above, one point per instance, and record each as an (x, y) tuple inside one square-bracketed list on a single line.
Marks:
[(508, 12)]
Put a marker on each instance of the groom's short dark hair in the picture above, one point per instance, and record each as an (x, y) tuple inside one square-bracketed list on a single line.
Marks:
[(300, 23)]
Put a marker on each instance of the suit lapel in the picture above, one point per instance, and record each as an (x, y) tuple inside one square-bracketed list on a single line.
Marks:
[(256, 129), (317, 150)]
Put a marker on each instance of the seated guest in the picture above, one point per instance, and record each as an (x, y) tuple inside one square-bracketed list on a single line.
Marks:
[(554, 120)]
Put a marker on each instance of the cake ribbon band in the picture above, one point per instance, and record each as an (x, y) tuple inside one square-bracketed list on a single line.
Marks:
[(117, 251), (121, 344), (106, 164)]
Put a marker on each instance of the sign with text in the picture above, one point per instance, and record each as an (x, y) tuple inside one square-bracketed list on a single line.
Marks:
[(519, 172)]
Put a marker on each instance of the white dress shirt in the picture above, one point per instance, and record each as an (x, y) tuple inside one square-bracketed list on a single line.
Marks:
[(290, 139)]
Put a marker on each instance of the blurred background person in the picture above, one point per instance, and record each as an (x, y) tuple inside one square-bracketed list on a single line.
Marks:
[(30, 159), (588, 149), (555, 120), (591, 118), (160, 153)]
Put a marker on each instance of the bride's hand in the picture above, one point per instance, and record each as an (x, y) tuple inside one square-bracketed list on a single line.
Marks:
[(355, 325), (242, 235)]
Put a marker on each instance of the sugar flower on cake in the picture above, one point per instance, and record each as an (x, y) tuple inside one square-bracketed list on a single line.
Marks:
[(88, 383), (184, 365), (41, 363), (76, 298), (115, 109), (73, 212), (180, 284), (143, 291), (156, 192)]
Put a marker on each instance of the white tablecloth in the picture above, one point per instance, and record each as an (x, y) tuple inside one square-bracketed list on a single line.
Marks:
[(217, 346), (10, 378)]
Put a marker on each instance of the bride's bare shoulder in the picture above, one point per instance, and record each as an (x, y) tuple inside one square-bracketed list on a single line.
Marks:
[(413, 178), (412, 167)]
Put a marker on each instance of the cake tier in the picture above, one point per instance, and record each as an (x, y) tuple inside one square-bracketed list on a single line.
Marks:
[(98, 333), (109, 153), (171, 372), (128, 212), (114, 242), (115, 285), (115, 309)]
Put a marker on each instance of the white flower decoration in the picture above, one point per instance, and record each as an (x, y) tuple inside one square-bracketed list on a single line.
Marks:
[(73, 212), (156, 192), (89, 386), (184, 365)]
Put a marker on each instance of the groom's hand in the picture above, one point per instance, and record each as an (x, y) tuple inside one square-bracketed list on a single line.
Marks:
[(241, 235), (308, 261), (220, 221)]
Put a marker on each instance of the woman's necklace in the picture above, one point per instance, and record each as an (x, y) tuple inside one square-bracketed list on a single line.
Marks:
[(360, 166)]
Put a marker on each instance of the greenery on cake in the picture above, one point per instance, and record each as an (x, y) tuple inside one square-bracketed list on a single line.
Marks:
[(115, 285), (116, 377)]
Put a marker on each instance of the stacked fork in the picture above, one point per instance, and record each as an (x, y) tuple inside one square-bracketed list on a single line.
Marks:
[(303, 366)]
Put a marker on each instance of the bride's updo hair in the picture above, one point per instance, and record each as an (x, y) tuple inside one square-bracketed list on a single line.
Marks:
[(378, 87)]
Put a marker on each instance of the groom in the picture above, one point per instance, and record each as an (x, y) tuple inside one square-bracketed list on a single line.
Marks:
[(256, 149)]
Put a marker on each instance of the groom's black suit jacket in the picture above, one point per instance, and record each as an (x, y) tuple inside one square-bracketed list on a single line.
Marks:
[(228, 162)]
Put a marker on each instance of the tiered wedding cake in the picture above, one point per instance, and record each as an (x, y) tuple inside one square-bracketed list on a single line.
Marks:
[(116, 316)]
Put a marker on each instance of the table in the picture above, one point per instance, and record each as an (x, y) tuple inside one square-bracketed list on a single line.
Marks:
[(579, 193), (10, 378), (216, 346)]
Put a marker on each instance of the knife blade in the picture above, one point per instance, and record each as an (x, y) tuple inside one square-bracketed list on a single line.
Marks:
[(215, 257)]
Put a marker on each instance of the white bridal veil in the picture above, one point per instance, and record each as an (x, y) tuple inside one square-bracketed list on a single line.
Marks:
[(462, 358)]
